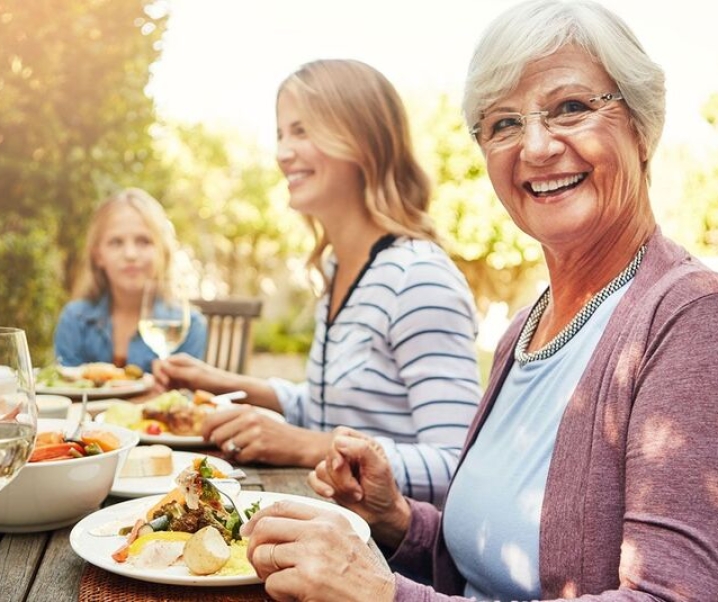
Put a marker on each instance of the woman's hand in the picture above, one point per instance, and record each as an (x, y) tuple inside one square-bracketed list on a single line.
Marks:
[(184, 371), (305, 553), (246, 435), (356, 474)]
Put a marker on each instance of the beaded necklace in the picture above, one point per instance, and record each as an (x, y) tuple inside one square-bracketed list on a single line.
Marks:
[(569, 331)]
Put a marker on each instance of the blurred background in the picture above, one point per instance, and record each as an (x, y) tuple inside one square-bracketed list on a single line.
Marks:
[(177, 97)]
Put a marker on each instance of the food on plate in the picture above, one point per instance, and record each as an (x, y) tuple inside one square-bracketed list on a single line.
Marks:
[(175, 412), (206, 551), (101, 372), (54, 445), (92, 375), (195, 514), (148, 461), (201, 397), (157, 550), (175, 409), (124, 413)]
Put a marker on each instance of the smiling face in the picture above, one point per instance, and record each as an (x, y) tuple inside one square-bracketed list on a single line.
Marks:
[(574, 190), (126, 251), (319, 185)]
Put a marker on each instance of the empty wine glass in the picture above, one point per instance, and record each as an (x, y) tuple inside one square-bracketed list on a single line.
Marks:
[(18, 412), (164, 316)]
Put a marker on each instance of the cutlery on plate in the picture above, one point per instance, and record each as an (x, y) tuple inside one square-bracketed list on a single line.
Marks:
[(229, 398)]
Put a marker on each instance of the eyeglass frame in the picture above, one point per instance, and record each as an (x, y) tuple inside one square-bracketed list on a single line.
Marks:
[(475, 130)]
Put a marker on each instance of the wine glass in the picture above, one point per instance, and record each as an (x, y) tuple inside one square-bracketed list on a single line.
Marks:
[(18, 412), (164, 316)]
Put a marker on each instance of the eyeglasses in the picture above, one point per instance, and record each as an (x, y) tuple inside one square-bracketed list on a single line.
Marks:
[(504, 129)]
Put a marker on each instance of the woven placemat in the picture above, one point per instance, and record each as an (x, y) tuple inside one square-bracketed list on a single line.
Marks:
[(98, 585)]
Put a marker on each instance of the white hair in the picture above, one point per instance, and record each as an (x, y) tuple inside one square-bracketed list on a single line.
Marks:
[(538, 28)]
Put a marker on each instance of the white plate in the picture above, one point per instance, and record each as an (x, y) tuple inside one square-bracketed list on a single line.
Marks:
[(189, 441), (93, 408), (117, 388), (141, 486), (98, 549)]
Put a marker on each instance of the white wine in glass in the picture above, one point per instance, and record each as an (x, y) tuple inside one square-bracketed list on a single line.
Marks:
[(18, 412), (164, 317)]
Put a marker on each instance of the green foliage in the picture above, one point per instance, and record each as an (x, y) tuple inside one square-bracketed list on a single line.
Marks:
[(689, 213), (710, 110), (30, 292), (279, 336), (75, 126), (499, 261), (228, 202), (75, 116)]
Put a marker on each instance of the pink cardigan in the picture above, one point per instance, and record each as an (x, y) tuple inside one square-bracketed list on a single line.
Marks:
[(631, 505)]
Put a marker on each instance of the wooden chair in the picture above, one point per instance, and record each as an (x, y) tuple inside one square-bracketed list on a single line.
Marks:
[(229, 330)]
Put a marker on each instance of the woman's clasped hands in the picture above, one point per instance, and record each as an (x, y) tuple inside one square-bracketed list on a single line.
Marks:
[(357, 475), (305, 553)]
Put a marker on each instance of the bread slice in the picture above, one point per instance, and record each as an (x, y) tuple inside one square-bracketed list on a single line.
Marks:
[(148, 461)]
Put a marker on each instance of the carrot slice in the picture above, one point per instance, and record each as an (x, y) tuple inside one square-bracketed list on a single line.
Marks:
[(56, 451)]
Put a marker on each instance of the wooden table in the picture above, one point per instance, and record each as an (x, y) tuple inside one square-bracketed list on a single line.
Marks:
[(39, 567)]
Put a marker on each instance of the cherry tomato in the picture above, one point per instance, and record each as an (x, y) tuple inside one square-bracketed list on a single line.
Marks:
[(153, 429)]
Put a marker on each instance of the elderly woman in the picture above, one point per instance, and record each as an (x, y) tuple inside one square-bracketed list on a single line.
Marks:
[(591, 470)]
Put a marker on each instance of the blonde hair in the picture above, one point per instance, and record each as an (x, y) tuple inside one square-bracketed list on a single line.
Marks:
[(352, 112), (92, 282)]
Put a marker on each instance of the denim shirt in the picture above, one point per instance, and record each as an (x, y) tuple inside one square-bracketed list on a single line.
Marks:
[(84, 334)]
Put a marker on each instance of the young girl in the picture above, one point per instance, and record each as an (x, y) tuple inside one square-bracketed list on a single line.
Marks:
[(129, 240)]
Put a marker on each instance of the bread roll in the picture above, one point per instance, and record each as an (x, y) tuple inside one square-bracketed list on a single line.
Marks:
[(148, 461), (206, 551)]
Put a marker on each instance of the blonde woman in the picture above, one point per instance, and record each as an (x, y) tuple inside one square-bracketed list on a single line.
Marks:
[(129, 240), (394, 346)]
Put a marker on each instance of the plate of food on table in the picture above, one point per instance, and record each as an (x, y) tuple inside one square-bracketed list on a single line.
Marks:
[(152, 470), (172, 418), (96, 379), (189, 536)]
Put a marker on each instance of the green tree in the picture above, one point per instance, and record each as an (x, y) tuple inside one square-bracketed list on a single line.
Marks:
[(686, 189), (75, 126), (228, 202), (500, 262)]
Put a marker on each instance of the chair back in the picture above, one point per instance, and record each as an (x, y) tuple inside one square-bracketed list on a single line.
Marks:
[(229, 330)]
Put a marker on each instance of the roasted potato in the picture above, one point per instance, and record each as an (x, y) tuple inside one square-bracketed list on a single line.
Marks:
[(206, 551)]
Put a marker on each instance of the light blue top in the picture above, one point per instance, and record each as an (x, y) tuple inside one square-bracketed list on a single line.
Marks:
[(84, 334), (493, 511)]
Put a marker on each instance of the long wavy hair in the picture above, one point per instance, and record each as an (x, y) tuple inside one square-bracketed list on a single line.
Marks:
[(92, 282), (352, 112)]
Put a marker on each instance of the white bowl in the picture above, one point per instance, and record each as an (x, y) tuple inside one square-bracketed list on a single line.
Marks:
[(52, 406), (55, 494)]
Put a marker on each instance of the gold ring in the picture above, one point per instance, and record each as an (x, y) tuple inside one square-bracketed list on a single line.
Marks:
[(272, 559)]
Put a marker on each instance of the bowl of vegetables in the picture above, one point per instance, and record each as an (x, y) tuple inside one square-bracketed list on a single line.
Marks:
[(68, 476)]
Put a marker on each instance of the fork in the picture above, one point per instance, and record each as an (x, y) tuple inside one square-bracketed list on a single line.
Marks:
[(80, 420)]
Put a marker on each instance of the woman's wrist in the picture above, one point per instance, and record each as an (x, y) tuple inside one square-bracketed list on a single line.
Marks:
[(314, 447), (391, 530)]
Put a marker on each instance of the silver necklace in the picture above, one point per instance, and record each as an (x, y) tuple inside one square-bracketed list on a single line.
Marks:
[(523, 357)]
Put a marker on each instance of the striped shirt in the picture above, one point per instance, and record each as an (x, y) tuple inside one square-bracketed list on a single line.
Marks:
[(397, 363)]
